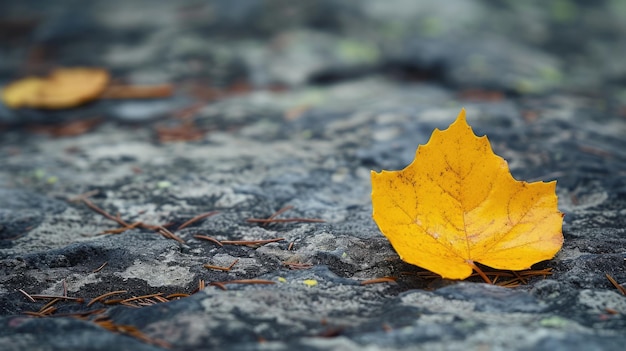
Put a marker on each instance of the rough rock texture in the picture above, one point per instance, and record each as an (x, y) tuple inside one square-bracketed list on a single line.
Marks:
[(296, 103)]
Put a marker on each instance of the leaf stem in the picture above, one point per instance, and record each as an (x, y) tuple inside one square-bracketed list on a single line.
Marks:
[(479, 271)]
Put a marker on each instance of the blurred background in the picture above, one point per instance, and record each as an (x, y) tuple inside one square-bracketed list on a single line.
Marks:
[(208, 47), (528, 46)]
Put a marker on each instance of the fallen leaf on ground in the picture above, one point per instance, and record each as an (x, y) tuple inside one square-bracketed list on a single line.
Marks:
[(186, 131), (137, 91), (68, 129), (457, 204), (63, 88)]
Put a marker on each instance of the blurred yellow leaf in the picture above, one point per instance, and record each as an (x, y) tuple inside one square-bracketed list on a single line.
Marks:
[(14, 95), (457, 204), (65, 87)]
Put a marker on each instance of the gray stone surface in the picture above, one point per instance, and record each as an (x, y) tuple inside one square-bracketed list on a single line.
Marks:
[(361, 85)]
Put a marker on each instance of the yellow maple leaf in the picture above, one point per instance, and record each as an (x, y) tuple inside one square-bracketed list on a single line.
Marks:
[(65, 87), (457, 204)]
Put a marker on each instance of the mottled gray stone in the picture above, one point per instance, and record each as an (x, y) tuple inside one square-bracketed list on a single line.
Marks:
[(573, 341), (368, 83), (23, 333), (487, 298), (22, 210), (326, 176)]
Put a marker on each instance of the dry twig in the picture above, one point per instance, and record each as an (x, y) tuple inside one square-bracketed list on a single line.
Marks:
[(619, 288), (251, 242), (273, 219), (208, 238), (379, 280), (104, 296), (125, 226), (197, 218), (220, 268), (297, 265), (99, 268)]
